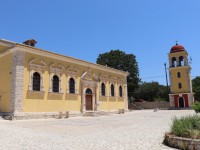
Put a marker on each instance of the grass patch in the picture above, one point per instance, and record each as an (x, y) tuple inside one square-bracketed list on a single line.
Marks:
[(188, 126)]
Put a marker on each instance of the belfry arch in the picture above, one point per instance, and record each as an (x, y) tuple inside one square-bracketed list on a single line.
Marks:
[(173, 62), (181, 61)]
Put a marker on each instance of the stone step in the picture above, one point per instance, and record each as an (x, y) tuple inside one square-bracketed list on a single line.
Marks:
[(1, 118), (95, 113), (91, 114)]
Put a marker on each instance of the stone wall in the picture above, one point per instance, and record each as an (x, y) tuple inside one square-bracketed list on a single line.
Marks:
[(151, 105), (39, 115), (181, 143), (17, 82)]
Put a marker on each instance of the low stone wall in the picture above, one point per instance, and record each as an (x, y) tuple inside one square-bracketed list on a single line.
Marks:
[(181, 143), (39, 115), (152, 105), (57, 115)]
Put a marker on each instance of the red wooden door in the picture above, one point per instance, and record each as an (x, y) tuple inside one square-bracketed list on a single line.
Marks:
[(88, 102)]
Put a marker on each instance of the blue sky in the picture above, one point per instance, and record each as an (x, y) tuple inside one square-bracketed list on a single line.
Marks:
[(85, 28)]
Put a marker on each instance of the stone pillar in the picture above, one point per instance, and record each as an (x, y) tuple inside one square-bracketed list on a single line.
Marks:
[(177, 61), (170, 62), (76, 85), (83, 101), (42, 84), (97, 96), (50, 83), (170, 81), (190, 99), (126, 97), (93, 102), (30, 81), (171, 100), (186, 61), (17, 82), (60, 84)]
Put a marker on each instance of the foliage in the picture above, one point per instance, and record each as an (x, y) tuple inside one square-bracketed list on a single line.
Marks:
[(188, 126), (196, 88), (196, 107), (126, 62), (151, 91)]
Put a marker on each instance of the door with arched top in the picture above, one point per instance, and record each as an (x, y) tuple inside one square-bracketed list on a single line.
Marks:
[(88, 98), (181, 102)]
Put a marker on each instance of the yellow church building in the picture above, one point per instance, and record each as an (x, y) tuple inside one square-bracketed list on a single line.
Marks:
[(35, 82), (181, 94)]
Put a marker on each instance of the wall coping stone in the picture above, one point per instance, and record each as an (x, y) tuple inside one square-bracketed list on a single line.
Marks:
[(181, 142)]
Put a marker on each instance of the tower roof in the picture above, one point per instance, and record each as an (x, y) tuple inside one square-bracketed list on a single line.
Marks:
[(177, 48)]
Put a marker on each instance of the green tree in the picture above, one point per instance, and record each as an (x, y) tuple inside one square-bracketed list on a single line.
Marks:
[(196, 88), (163, 93), (151, 91), (126, 62)]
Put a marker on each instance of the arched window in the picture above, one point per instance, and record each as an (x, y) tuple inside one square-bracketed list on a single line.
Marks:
[(174, 63), (88, 91), (36, 81), (179, 85), (71, 85), (178, 74), (103, 89), (55, 83), (181, 61), (120, 91), (112, 88)]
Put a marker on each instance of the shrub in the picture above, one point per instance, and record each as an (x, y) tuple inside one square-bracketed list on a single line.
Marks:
[(188, 126), (196, 107)]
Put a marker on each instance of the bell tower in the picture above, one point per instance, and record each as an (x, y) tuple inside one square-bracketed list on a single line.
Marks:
[(181, 95)]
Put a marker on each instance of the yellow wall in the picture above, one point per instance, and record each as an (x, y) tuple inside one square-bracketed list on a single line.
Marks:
[(185, 76), (5, 82), (48, 102), (183, 80)]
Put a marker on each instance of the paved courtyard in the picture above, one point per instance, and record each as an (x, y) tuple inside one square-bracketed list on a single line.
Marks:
[(136, 130)]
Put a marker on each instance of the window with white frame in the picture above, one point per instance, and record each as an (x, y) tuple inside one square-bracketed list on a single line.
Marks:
[(120, 91), (103, 89), (36, 82), (55, 83), (36, 75), (71, 85)]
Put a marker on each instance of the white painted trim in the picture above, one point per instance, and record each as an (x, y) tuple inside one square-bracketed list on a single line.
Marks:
[(30, 87), (69, 59), (36, 68), (64, 58), (100, 89), (76, 85), (180, 93), (51, 83), (111, 90), (8, 51)]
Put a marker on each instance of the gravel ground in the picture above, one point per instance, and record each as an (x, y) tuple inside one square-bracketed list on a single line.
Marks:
[(136, 130)]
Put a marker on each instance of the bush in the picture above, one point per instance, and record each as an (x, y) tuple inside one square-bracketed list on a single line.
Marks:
[(196, 107), (188, 126)]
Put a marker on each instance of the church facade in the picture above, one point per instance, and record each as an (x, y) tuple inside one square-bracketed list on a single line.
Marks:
[(35, 81), (181, 94)]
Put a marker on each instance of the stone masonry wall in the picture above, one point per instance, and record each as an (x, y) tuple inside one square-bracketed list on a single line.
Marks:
[(152, 105), (17, 82)]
